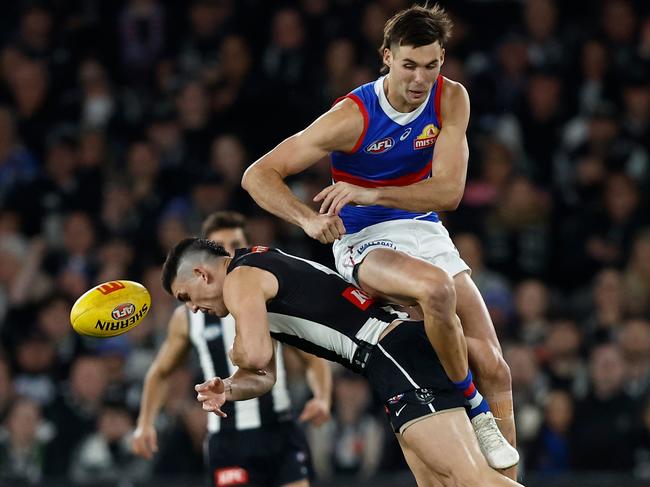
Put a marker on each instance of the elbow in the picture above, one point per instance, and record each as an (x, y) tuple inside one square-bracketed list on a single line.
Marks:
[(256, 361), (451, 202), (247, 178)]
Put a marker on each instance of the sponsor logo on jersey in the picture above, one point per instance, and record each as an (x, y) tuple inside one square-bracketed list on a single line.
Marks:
[(427, 138), (380, 146), (373, 243), (259, 249), (122, 311), (230, 476), (357, 297), (405, 134)]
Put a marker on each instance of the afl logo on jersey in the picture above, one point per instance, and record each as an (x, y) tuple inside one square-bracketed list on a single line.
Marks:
[(427, 138), (380, 146)]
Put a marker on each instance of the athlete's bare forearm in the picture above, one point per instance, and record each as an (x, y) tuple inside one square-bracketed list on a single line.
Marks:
[(154, 395), (247, 384), (268, 189), (428, 195)]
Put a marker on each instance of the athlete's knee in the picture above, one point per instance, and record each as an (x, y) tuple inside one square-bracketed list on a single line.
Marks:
[(436, 291)]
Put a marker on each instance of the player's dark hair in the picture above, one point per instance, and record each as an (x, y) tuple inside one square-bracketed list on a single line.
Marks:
[(180, 250), (220, 220), (416, 26)]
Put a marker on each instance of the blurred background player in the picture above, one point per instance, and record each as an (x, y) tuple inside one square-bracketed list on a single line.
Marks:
[(235, 444)]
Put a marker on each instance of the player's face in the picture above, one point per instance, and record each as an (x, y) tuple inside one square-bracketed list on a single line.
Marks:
[(230, 238), (413, 71), (201, 291)]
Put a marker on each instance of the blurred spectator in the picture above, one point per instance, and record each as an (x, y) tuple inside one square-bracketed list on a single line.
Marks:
[(23, 444), (142, 36), (637, 276), (517, 231), (53, 320), (561, 358), (209, 22), (605, 418), (106, 454), (34, 368), (531, 312), (550, 451), (78, 404), (17, 164), (634, 342), (608, 307), (351, 443), (544, 41)]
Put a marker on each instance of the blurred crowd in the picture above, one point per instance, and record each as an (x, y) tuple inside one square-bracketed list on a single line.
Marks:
[(123, 124)]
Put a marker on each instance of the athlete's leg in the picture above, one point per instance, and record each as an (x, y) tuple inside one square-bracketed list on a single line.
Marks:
[(401, 278), (491, 372), (446, 444), (424, 476)]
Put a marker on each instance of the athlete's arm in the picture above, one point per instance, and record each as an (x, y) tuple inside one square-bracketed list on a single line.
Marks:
[(243, 384), (319, 379), (156, 384), (336, 130), (443, 190), (245, 292)]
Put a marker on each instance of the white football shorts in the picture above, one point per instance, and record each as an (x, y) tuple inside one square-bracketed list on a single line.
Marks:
[(424, 240)]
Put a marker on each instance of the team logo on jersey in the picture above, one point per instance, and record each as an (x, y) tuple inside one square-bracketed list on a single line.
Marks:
[(380, 146), (230, 476), (405, 134), (395, 399), (427, 138), (357, 297)]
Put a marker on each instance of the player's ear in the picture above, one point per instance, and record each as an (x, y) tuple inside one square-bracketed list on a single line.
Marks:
[(388, 57), (201, 273), (442, 56)]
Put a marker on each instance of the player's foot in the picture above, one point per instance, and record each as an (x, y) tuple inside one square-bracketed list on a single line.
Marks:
[(496, 449)]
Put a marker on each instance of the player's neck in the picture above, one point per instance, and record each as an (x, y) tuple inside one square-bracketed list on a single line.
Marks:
[(396, 101)]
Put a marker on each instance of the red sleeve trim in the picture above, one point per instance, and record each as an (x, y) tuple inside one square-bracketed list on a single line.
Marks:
[(437, 99), (364, 112)]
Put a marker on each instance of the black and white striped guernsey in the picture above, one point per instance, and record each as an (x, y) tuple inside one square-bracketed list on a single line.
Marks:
[(341, 330), (212, 338)]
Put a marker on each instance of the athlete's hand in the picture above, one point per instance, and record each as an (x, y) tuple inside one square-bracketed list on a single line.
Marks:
[(324, 228), (145, 441), (316, 411), (212, 393), (336, 196)]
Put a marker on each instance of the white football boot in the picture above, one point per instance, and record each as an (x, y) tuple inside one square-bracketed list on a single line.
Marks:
[(497, 451)]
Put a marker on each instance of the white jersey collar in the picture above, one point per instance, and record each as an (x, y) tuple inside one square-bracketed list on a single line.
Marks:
[(397, 117)]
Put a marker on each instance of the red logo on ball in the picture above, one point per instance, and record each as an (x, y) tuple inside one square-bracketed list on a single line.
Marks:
[(122, 311)]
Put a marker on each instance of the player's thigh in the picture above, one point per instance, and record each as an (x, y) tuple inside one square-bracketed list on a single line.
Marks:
[(399, 277), (424, 476), (446, 444)]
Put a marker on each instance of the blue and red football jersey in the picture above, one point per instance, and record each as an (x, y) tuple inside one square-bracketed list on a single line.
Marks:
[(395, 149)]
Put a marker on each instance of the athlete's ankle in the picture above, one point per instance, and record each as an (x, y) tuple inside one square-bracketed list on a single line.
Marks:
[(477, 403)]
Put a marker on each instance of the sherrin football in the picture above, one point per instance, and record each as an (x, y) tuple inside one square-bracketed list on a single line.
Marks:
[(110, 309)]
